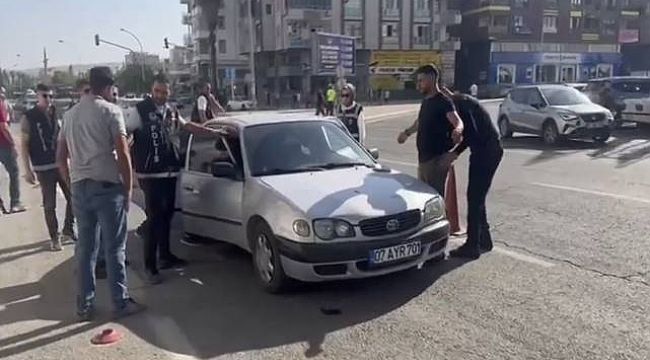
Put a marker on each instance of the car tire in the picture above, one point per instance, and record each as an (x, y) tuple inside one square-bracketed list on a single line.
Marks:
[(504, 127), (266, 259), (602, 138), (550, 133), (243, 107)]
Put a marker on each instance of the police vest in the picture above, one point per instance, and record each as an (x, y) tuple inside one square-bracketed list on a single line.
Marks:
[(154, 152), (43, 133), (350, 118)]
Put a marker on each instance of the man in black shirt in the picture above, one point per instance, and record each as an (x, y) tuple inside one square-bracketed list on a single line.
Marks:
[(482, 137), (439, 128)]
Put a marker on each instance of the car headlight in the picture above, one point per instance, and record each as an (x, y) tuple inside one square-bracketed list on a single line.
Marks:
[(567, 116), (434, 209), (329, 229), (301, 227)]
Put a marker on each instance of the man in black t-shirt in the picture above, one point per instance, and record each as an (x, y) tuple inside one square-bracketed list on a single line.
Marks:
[(438, 127), (482, 137)]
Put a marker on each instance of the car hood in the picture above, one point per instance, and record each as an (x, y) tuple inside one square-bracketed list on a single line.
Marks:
[(582, 108), (352, 194)]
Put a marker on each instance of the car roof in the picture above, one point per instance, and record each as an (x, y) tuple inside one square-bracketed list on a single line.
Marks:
[(267, 117), (619, 78), (542, 86)]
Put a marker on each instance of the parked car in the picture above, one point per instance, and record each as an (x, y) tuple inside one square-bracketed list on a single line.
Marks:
[(307, 201), (553, 112), (623, 88), (638, 110), (239, 103)]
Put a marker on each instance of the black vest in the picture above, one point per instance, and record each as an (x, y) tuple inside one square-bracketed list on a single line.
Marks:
[(195, 110), (153, 150), (43, 134), (350, 118)]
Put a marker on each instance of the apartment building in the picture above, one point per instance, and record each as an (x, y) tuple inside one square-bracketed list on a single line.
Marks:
[(635, 38), (507, 42)]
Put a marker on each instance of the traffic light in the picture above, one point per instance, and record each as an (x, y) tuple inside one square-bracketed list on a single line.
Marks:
[(96, 39), (166, 44)]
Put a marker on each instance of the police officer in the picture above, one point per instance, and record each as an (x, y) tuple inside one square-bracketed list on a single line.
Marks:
[(350, 113), (156, 128), (483, 139)]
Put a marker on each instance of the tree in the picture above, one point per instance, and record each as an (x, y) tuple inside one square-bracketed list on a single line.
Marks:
[(63, 78), (129, 79)]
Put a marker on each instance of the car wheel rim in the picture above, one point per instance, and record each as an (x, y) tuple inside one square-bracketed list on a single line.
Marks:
[(504, 127), (264, 258), (549, 134)]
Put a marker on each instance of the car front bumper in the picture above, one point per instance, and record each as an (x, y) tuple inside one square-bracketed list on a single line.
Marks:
[(584, 132), (350, 260)]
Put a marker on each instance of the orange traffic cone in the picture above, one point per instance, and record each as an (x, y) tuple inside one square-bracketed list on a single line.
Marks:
[(451, 203)]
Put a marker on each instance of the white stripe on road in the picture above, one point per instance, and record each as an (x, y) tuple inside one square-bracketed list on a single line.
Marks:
[(593, 192), (398, 162), (382, 117), (509, 253)]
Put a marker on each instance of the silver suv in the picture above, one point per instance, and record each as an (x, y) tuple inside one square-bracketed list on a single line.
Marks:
[(553, 112)]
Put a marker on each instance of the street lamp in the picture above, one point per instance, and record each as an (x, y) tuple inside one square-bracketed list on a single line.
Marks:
[(141, 52)]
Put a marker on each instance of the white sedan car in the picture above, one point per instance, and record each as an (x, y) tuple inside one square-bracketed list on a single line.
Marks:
[(307, 201), (240, 104)]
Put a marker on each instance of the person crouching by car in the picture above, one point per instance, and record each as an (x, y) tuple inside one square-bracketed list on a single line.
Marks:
[(350, 113)]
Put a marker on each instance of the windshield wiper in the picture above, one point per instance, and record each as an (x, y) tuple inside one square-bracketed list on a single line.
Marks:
[(330, 166)]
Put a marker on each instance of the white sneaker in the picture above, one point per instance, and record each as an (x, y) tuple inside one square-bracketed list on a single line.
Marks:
[(56, 244)]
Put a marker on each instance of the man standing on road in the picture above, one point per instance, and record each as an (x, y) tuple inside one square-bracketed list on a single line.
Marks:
[(206, 106), (473, 90), (155, 127), (40, 130), (93, 138), (330, 96), (350, 113), (8, 158), (483, 139), (438, 126)]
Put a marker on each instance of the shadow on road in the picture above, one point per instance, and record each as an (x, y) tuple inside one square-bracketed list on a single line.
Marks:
[(215, 307)]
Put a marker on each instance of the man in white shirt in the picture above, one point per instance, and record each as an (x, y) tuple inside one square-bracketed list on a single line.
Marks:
[(157, 157), (206, 106)]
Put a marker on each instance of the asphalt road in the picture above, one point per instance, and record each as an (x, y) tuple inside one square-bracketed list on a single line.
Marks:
[(569, 278)]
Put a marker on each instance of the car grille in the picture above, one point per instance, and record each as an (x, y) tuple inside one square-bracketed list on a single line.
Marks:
[(380, 226), (593, 117)]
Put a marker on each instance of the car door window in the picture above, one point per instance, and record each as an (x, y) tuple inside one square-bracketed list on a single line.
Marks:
[(206, 151), (534, 98)]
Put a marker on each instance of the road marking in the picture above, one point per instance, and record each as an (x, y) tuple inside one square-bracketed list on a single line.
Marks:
[(593, 192), (382, 117), (509, 253), (398, 162)]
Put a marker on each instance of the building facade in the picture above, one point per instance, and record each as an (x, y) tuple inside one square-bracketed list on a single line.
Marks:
[(214, 32), (635, 38), (507, 42)]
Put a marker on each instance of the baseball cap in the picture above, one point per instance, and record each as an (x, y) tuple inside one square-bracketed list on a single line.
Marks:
[(101, 76)]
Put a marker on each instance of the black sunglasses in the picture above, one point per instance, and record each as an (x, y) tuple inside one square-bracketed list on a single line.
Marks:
[(46, 95), (345, 95)]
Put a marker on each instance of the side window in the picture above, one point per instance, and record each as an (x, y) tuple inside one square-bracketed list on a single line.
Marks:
[(207, 150), (517, 96), (534, 98)]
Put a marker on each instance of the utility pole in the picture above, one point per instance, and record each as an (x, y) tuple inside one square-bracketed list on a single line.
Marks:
[(45, 60), (251, 57)]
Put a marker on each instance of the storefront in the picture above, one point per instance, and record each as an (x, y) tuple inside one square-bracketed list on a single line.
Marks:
[(509, 68)]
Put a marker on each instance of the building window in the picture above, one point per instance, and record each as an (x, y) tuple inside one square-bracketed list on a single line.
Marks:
[(390, 33), (546, 73), (609, 27), (591, 24), (422, 9), (518, 21), (354, 28), (353, 9), (222, 46), (204, 46), (576, 22), (390, 8), (221, 22), (576, 2), (506, 74), (521, 3), (484, 21), (422, 34), (269, 9), (550, 24), (610, 4), (500, 21)]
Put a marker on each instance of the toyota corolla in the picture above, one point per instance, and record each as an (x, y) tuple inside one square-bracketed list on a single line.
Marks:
[(307, 201)]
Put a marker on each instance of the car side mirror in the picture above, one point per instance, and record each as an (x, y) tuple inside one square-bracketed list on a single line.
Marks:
[(374, 152), (224, 170)]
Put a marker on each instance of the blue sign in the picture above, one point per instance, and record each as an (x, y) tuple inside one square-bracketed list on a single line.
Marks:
[(333, 51), (230, 73)]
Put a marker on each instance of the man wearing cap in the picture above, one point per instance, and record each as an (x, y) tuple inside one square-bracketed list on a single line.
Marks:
[(40, 129), (350, 113), (8, 157), (438, 128), (93, 139)]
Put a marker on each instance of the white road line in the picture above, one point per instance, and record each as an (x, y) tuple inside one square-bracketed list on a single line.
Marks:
[(382, 117), (398, 162), (509, 253), (593, 192)]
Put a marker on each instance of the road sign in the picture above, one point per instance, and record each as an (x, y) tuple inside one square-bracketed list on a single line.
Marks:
[(331, 51)]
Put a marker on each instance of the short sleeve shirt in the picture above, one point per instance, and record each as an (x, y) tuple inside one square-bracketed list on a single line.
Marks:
[(434, 129)]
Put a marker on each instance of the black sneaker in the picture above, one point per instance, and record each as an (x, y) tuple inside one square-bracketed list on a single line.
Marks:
[(172, 262), (465, 252), (130, 308), (85, 315)]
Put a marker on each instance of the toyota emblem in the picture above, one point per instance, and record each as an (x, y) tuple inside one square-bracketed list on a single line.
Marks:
[(392, 225)]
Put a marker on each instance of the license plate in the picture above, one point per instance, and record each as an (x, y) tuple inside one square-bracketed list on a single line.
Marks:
[(395, 253), (595, 125)]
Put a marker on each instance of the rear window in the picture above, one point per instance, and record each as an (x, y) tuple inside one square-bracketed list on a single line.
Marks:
[(633, 86)]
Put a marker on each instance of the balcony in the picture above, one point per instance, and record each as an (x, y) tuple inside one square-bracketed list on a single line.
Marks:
[(353, 13), (186, 19), (453, 17), (522, 30), (310, 4), (392, 13)]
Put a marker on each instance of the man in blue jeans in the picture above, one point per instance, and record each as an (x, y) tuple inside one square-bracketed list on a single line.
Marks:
[(93, 139), (8, 156)]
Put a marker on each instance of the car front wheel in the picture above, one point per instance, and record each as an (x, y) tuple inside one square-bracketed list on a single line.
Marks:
[(550, 134), (602, 138), (504, 127), (266, 260)]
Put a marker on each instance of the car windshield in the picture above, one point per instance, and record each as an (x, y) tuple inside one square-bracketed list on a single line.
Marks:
[(560, 96), (285, 148)]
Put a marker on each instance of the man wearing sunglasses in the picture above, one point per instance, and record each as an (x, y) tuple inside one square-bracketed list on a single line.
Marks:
[(350, 113), (40, 130)]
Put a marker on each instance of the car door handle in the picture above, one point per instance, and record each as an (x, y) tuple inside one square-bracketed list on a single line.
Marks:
[(191, 189)]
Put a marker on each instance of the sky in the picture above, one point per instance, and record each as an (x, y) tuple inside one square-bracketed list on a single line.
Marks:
[(26, 26)]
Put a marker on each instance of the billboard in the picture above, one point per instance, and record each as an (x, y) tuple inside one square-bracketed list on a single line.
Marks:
[(402, 62), (331, 51)]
